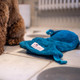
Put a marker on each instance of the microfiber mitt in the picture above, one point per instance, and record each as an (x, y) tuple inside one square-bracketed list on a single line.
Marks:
[(58, 42)]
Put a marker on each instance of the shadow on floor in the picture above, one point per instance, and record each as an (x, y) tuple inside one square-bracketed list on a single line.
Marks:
[(36, 55), (78, 48)]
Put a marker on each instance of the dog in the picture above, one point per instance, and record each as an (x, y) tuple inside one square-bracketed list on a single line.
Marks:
[(12, 28)]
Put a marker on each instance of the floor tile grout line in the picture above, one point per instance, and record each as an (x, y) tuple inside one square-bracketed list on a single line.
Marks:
[(27, 57), (19, 55), (40, 70)]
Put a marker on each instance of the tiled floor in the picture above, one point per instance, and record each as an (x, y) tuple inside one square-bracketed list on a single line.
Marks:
[(16, 64)]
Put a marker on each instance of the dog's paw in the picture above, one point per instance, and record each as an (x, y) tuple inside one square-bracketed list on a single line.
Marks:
[(14, 41)]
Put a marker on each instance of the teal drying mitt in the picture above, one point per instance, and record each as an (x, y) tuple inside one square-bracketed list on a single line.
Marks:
[(58, 42)]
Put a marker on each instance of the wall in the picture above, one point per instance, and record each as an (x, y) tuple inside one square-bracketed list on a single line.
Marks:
[(54, 18)]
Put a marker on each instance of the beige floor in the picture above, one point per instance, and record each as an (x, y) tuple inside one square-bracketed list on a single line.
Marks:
[(16, 64)]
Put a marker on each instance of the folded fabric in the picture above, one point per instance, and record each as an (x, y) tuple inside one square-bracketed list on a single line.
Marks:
[(58, 42)]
